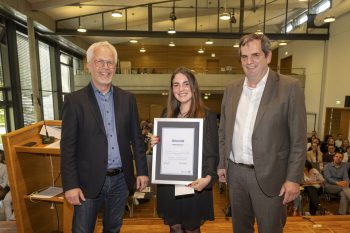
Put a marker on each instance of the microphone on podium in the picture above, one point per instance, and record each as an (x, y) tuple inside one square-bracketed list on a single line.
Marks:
[(46, 139)]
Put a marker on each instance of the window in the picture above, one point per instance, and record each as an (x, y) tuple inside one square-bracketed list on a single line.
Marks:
[(66, 64), (25, 78), (2, 102), (46, 83)]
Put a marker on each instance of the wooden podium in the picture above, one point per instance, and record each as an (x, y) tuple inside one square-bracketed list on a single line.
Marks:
[(30, 169)]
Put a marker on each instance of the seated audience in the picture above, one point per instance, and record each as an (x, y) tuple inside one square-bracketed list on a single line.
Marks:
[(339, 141), (343, 147), (346, 155), (337, 181), (328, 156), (313, 181), (315, 154), (326, 142)]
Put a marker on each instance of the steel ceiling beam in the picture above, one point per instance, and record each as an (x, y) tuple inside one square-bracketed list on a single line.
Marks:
[(162, 34)]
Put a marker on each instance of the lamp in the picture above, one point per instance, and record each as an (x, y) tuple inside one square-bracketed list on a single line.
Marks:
[(209, 42), (282, 43), (142, 50), (225, 15), (259, 32), (117, 14), (133, 41), (236, 45), (200, 50), (171, 31), (172, 44), (329, 19), (81, 29)]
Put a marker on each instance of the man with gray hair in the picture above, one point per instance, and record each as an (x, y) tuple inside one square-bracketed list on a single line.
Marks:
[(100, 139)]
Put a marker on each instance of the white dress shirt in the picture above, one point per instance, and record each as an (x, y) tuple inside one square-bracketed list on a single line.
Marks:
[(245, 119)]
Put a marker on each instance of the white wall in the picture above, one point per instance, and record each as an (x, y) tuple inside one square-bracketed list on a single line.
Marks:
[(308, 55), (329, 60)]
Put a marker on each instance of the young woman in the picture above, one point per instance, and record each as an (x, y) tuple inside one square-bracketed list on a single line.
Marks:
[(312, 186), (187, 213)]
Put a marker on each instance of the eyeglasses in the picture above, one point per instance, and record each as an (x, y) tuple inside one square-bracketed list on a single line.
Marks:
[(178, 86), (102, 63), (255, 57)]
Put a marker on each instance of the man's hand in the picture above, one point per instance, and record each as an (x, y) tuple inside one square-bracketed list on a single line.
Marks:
[(222, 175), (141, 182), (74, 196), (290, 190), (342, 184), (200, 183)]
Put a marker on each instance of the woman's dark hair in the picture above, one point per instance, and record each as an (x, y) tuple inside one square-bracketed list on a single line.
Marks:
[(197, 109), (308, 165)]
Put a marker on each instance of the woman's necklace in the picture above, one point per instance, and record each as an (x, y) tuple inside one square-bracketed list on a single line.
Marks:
[(183, 115)]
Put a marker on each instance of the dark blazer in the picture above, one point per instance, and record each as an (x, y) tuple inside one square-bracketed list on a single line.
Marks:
[(84, 146), (279, 135)]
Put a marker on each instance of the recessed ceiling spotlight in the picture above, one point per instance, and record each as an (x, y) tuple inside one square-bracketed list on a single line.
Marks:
[(171, 31), (209, 42), (81, 29), (117, 14), (133, 41), (329, 19), (142, 50)]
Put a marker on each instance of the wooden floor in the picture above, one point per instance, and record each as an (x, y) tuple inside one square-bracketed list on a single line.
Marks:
[(144, 220)]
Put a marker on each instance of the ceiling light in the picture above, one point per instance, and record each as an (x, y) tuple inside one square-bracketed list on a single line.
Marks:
[(171, 31), (142, 50), (329, 19), (81, 29), (206, 97), (200, 50), (282, 43), (213, 55), (225, 16), (171, 44), (133, 41), (236, 45), (117, 14), (209, 42), (259, 32)]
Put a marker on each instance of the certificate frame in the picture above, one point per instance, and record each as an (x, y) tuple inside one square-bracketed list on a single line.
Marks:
[(189, 133)]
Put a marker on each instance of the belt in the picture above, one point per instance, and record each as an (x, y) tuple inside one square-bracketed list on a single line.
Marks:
[(114, 172), (250, 166)]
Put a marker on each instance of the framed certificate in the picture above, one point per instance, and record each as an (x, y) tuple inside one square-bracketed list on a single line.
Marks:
[(177, 158)]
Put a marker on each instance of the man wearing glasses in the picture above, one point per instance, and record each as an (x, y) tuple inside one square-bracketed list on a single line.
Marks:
[(262, 139), (100, 139)]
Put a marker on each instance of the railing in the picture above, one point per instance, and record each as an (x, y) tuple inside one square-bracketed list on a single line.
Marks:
[(196, 70)]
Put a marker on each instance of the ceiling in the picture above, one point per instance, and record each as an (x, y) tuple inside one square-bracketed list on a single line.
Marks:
[(196, 20)]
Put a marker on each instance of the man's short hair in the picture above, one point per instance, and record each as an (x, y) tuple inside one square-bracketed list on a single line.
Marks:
[(265, 42), (91, 50)]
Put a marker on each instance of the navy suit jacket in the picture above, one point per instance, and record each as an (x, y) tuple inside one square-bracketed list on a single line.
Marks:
[(84, 146)]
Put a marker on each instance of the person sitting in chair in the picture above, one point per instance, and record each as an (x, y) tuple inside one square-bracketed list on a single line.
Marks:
[(337, 181)]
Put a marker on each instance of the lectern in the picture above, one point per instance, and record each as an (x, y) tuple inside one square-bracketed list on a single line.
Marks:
[(32, 168)]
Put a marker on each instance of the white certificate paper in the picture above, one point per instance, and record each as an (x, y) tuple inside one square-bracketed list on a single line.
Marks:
[(177, 151), (177, 158)]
